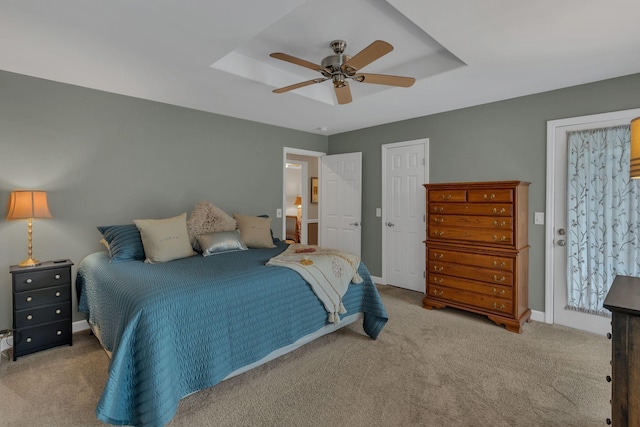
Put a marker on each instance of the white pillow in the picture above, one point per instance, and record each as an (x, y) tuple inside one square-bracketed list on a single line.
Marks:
[(255, 231), (165, 239)]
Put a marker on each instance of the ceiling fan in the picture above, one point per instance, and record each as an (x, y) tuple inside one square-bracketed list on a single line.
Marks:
[(340, 67)]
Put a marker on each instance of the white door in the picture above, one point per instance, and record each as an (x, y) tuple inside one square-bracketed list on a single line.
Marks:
[(403, 234), (341, 202), (556, 230)]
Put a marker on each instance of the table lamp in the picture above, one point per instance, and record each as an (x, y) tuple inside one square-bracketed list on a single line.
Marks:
[(28, 204)]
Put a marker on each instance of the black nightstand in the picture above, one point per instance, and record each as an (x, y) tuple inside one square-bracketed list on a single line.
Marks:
[(41, 306)]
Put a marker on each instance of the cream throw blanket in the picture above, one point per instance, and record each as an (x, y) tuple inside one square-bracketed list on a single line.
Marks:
[(328, 271)]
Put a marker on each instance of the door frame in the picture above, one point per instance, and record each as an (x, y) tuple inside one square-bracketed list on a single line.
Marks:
[(552, 127), (299, 152), (425, 143)]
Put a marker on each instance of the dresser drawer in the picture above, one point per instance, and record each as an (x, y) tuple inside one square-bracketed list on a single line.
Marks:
[(478, 260), (476, 221), (482, 235), (497, 195), (471, 286), (37, 279), (46, 314), (489, 209), (494, 277), (484, 302), (35, 298), (43, 336), (448, 196)]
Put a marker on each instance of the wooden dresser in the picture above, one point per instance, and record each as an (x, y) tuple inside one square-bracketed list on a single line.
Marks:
[(623, 300), (477, 250)]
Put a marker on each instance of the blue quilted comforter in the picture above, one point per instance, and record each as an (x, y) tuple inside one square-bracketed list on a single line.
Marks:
[(181, 326)]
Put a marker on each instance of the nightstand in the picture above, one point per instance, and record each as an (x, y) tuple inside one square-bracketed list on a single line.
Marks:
[(41, 306)]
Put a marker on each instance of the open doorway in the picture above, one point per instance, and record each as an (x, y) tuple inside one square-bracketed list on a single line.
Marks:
[(300, 220)]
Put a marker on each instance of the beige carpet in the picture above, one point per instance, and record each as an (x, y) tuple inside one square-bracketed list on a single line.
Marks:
[(427, 368)]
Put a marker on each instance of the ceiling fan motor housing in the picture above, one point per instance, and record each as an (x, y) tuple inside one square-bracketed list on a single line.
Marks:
[(334, 62)]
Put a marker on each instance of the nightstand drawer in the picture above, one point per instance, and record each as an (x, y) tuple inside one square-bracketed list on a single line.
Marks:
[(39, 279), (41, 337), (40, 297), (46, 314)]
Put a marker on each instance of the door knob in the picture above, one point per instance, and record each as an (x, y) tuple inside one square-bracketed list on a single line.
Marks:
[(561, 232), (355, 224), (562, 243), (390, 224)]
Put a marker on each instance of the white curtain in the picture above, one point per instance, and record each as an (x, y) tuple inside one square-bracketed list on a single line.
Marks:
[(603, 216)]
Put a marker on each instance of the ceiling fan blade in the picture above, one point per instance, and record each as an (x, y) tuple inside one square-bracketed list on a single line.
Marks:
[(297, 61), (375, 50), (343, 93), (385, 79), (298, 85)]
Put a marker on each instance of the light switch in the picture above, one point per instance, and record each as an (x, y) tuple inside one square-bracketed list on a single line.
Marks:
[(278, 213), (538, 218), (378, 212)]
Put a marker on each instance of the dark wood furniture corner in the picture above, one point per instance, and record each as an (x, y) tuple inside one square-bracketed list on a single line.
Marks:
[(623, 300), (41, 306), (477, 255)]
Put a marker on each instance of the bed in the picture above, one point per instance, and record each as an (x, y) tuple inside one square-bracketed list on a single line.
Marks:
[(178, 327)]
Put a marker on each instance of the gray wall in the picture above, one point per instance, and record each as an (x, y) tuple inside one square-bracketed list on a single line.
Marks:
[(108, 159), (499, 141)]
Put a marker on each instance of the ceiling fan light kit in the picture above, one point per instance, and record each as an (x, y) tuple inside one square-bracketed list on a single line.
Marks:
[(340, 67)]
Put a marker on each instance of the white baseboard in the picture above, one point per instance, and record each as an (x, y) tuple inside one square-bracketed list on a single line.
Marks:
[(537, 316), (78, 326), (377, 280), (4, 345)]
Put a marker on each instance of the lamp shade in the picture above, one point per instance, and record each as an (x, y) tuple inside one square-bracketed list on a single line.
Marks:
[(298, 201), (25, 204), (634, 165)]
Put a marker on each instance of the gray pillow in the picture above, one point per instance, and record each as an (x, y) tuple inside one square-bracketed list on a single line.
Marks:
[(220, 242)]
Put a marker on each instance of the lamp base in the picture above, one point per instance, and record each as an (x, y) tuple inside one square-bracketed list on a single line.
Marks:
[(29, 262)]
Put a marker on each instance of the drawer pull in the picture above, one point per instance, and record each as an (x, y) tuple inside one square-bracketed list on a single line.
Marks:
[(58, 293), (499, 239), (500, 280), (498, 307), (496, 265), (58, 332), (438, 280), (438, 220), (439, 269), (29, 317), (29, 281), (57, 277), (447, 197), (58, 311), (491, 197), (438, 233), (495, 291), (501, 211), (499, 224), (28, 339), (437, 255), (29, 299), (438, 293), (438, 208)]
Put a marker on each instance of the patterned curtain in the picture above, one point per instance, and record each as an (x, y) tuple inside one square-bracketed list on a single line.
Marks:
[(603, 216)]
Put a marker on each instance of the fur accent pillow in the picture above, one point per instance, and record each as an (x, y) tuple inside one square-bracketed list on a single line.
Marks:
[(207, 218)]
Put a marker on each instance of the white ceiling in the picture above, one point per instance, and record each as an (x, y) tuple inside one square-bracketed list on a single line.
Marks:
[(214, 55)]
